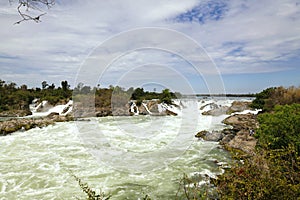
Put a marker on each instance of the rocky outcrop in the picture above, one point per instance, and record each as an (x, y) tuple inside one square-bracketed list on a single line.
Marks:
[(214, 136), (213, 109), (209, 106), (238, 106), (217, 112), (44, 106), (15, 113), (236, 137), (239, 136), (242, 121), (12, 125), (242, 141), (147, 107)]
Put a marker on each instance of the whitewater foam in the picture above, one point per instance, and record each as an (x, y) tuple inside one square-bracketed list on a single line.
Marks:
[(37, 164)]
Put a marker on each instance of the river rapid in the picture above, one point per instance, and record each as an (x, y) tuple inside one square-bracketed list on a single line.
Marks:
[(39, 163)]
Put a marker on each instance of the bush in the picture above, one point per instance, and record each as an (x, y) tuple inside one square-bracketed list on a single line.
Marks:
[(269, 175), (281, 128), (269, 98)]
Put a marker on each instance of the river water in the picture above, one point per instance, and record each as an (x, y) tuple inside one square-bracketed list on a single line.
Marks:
[(132, 162)]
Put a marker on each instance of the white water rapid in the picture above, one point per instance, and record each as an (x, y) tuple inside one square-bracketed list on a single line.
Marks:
[(37, 164)]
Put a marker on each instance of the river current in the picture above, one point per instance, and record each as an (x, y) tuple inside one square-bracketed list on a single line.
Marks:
[(39, 163)]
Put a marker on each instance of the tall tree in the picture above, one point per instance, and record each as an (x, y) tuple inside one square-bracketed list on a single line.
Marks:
[(44, 85), (64, 85)]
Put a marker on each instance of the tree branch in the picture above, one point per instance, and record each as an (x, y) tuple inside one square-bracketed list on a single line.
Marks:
[(37, 5)]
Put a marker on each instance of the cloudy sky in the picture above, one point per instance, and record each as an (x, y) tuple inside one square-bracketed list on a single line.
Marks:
[(249, 45)]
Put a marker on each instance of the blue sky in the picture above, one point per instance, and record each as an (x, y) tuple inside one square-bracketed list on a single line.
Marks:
[(251, 44)]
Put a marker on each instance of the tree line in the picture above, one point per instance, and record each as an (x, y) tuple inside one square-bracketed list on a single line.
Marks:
[(13, 97)]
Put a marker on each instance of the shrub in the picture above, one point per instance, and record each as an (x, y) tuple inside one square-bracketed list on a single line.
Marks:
[(281, 128)]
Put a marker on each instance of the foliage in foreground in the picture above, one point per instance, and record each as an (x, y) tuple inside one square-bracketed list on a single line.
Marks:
[(91, 194), (195, 188), (273, 173)]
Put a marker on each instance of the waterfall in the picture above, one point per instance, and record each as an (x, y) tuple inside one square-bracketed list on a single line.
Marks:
[(60, 109), (145, 106), (134, 109), (162, 107)]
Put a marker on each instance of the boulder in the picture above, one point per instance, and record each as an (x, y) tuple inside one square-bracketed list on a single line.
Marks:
[(227, 138), (242, 121), (217, 112), (103, 113), (238, 106), (201, 134), (243, 141), (209, 106), (53, 114), (214, 136), (169, 112), (45, 107), (152, 106)]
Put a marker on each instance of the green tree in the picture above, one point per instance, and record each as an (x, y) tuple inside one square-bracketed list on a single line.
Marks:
[(166, 96), (44, 85), (65, 86), (261, 98), (138, 94)]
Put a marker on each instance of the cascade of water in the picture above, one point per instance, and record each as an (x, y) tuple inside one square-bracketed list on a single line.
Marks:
[(146, 107), (60, 109), (134, 109)]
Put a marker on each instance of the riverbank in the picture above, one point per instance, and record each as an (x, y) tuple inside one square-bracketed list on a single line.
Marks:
[(24, 124), (242, 124), (43, 113), (267, 167)]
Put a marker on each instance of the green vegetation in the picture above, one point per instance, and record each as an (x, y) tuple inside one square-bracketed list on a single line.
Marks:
[(165, 96), (19, 98), (191, 189), (269, 98), (273, 173), (13, 98), (280, 129)]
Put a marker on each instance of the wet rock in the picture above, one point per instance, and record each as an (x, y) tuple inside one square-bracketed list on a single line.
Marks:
[(103, 113), (214, 136), (210, 106), (153, 106), (240, 137), (217, 112), (244, 142), (13, 125), (45, 107), (15, 113), (201, 134), (242, 121), (238, 106), (51, 115), (169, 112), (227, 138)]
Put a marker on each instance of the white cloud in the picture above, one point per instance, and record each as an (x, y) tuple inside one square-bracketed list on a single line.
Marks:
[(249, 36)]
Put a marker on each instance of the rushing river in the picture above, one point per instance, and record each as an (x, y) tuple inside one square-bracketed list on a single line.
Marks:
[(37, 164)]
